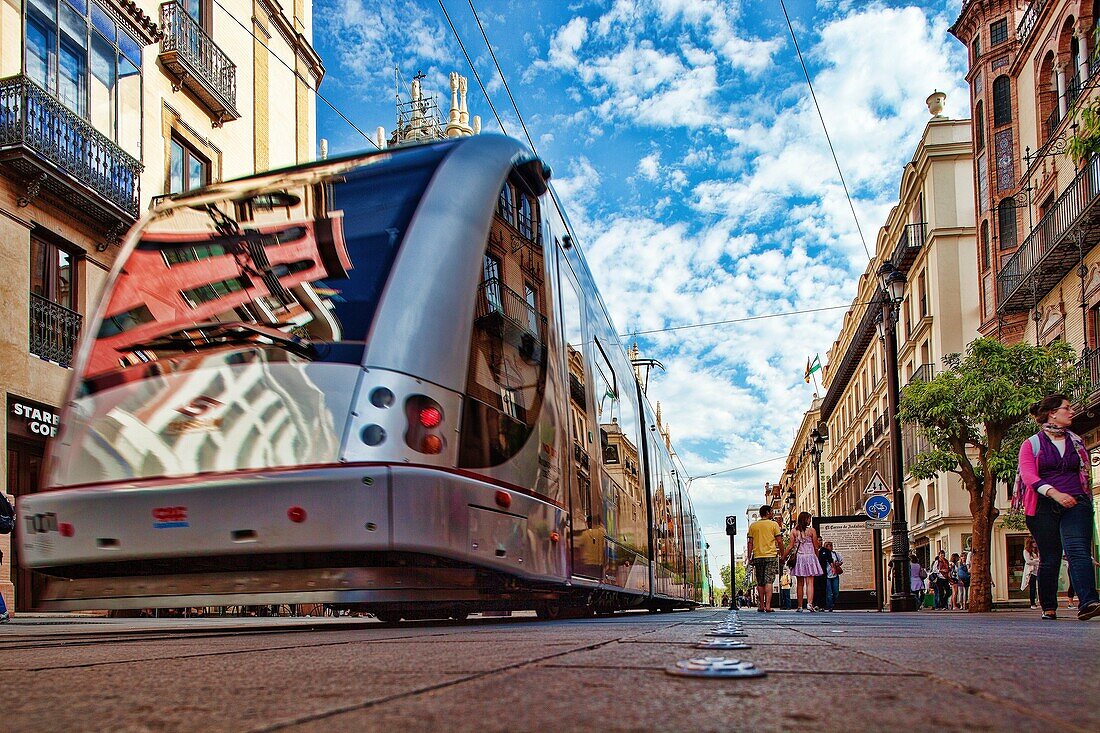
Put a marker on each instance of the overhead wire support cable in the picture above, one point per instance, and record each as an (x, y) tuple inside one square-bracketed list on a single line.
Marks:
[(824, 127), (297, 75), (501, 73), (745, 318), (470, 63)]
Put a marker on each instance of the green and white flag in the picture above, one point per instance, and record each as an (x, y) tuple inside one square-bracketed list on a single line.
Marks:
[(812, 366)]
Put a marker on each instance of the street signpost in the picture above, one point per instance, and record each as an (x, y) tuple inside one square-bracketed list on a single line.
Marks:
[(877, 507), (877, 525), (731, 530), (876, 485)]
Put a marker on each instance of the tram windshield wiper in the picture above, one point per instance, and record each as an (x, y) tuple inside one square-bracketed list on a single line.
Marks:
[(226, 333)]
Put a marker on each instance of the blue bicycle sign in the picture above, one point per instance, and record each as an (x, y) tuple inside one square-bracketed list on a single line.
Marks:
[(877, 507)]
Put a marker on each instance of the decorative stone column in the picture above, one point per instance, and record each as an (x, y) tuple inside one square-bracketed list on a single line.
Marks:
[(1060, 83)]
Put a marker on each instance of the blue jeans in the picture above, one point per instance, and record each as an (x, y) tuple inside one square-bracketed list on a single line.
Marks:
[(1057, 530), (832, 590), (785, 598)]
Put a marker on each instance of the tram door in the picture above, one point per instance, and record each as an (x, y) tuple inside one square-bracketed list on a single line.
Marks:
[(586, 536)]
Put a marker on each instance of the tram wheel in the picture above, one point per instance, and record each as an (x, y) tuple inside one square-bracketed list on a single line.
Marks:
[(460, 615), (549, 611)]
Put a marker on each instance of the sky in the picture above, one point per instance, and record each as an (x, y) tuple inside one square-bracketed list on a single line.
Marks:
[(684, 143)]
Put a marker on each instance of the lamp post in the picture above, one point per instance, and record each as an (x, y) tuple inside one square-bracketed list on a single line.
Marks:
[(817, 447), (893, 281)]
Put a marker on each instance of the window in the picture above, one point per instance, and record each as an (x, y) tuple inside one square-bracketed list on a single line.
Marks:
[(976, 49), (922, 292), (212, 291), (998, 32), (505, 207), (76, 52), (1002, 101), (198, 10), (985, 245), (531, 298), (1006, 222), (52, 273), (526, 217), (933, 502), (1094, 327), (187, 170), (491, 277), (979, 126)]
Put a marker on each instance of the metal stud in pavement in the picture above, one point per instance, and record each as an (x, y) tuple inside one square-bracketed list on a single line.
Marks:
[(720, 632), (714, 667), (722, 644)]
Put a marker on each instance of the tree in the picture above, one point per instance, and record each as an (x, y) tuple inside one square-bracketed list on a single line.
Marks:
[(974, 417), (725, 573)]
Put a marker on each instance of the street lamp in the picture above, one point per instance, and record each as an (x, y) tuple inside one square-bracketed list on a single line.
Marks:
[(816, 448), (893, 290)]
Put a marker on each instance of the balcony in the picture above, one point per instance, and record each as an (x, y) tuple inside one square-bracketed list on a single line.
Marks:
[(198, 65), (1031, 17), (55, 150), (54, 330), (1089, 370), (502, 312), (912, 239), (1051, 249), (923, 373), (1050, 126)]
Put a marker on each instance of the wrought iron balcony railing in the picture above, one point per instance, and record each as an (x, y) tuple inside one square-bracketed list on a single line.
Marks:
[(1031, 17), (192, 56), (72, 150), (1089, 370), (910, 243), (54, 330), (1050, 126), (1051, 248), (507, 312), (923, 373)]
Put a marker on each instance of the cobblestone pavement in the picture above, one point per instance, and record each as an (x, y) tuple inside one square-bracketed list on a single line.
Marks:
[(845, 671)]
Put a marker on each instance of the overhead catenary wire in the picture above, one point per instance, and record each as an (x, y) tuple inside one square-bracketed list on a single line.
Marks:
[(470, 63), (824, 127), (745, 318), (297, 75)]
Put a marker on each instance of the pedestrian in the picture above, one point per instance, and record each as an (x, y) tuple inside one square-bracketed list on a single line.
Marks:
[(804, 545), (962, 570), (785, 588), (832, 563), (938, 581), (917, 576), (726, 600), (1030, 580), (955, 580), (764, 547), (7, 522), (1057, 500)]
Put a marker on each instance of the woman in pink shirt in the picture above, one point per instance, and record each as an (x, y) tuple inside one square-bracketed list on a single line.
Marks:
[(1054, 469)]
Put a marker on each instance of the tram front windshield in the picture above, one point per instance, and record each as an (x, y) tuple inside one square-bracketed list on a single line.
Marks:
[(227, 333)]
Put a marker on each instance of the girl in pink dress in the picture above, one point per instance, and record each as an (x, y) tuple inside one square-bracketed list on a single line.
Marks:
[(805, 544)]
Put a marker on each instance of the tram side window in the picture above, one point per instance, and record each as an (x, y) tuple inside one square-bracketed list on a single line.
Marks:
[(506, 375)]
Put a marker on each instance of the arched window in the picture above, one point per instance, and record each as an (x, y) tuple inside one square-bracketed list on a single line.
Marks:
[(918, 510), (979, 126), (1006, 222), (505, 207), (985, 245), (1002, 101)]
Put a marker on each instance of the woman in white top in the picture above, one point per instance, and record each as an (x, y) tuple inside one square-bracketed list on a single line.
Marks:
[(1030, 581)]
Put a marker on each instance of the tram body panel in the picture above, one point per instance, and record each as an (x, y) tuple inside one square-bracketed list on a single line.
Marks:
[(344, 508)]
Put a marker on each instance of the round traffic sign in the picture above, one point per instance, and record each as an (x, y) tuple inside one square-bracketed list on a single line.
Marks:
[(877, 507)]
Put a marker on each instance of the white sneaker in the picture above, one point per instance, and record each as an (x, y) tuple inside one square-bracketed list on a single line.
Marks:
[(4, 618)]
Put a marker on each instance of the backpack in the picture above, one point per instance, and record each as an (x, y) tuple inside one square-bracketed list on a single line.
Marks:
[(7, 516), (1019, 488)]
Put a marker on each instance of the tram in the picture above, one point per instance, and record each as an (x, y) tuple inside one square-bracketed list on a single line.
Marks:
[(384, 382)]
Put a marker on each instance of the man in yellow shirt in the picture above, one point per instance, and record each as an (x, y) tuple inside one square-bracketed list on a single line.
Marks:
[(765, 548)]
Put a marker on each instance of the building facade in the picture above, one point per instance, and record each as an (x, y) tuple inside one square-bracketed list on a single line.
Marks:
[(799, 489), (105, 107), (929, 236), (1033, 69)]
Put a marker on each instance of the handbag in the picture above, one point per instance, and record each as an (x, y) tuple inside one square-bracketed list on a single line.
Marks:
[(7, 516)]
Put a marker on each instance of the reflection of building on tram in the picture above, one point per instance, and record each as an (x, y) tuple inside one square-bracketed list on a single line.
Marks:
[(262, 263), (247, 413)]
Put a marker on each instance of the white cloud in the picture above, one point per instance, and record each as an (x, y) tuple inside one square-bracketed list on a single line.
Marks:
[(649, 166)]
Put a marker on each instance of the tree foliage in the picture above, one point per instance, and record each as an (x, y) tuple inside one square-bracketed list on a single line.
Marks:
[(974, 417), (724, 571)]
